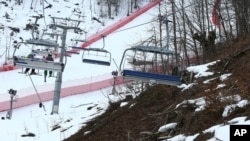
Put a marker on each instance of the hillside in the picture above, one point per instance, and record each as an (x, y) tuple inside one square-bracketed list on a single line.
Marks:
[(157, 105), (143, 116)]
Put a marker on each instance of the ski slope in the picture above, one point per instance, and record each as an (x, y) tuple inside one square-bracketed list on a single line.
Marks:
[(78, 77)]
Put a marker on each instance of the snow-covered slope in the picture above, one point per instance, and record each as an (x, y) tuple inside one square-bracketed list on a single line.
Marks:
[(34, 120)]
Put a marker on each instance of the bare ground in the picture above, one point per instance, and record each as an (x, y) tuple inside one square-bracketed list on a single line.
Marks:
[(141, 118)]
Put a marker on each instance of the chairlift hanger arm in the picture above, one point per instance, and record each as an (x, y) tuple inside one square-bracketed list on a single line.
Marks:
[(123, 56), (37, 17), (103, 39), (16, 46)]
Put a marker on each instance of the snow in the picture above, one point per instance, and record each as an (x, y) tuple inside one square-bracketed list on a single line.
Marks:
[(167, 127), (36, 120), (224, 76), (200, 71), (229, 108), (76, 110), (200, 103), (220, 86), (123, 104)]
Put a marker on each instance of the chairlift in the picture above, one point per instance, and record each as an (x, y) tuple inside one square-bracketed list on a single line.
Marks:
[(95, 56), (98, 56), (145, 67), (37, 63)]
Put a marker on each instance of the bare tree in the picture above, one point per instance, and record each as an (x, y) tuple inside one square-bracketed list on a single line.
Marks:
[(174, 27), (242, 9), (184, 39)]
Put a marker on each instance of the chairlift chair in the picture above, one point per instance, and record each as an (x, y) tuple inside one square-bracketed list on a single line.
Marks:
[(148, 74), (98, 56), (37, 63), (95, 56)]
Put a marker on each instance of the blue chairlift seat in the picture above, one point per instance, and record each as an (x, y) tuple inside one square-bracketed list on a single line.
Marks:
[(152, 77), (38, 63)]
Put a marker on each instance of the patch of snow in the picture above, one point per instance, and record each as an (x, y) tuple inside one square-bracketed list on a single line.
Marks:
[(230, 98), (208, 81), (201, 70), (123, 104), (167, 127), (199, 102), (230, 108), (186, 86), (220, 86), (225, 76)]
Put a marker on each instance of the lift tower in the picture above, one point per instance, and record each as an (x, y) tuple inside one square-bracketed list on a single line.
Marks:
[(67, 24)]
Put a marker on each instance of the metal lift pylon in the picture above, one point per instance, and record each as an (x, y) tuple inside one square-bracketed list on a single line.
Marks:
[(58, 83)]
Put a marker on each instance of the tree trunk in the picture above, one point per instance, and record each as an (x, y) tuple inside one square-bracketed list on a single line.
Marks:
[(174, 29), (184, 41)]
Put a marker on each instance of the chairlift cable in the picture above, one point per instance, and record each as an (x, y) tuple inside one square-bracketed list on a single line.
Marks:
[(44, 14), (149, 21), (40, 101), (2, 54), (116, 64), (134, 26)]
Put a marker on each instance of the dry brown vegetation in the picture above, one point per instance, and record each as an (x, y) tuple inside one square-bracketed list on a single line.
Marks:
[(157, 105)]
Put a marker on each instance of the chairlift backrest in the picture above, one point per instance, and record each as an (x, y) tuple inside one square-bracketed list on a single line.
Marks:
[(42, 42), (44, 52), (95, 56), (38, 62), (146, 49)]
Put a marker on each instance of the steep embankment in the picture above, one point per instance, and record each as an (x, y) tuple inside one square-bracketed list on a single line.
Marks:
[(157, 105)]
